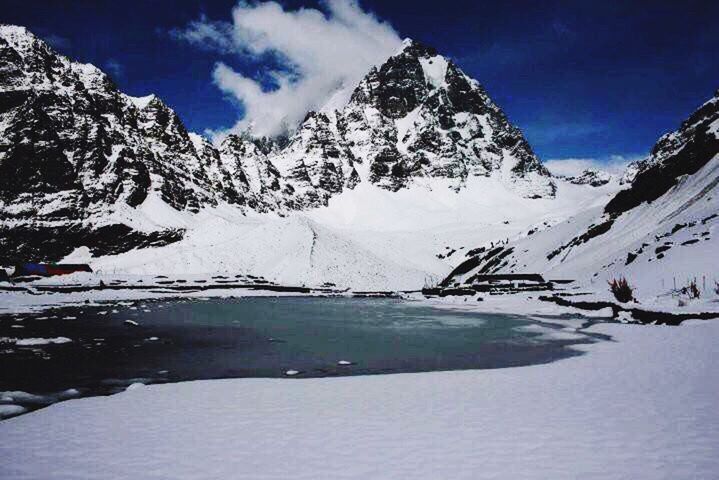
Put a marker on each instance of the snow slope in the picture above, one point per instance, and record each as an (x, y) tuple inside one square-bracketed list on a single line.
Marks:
[(415, 225), (672, 239), (640, 407), (367, 238), (291, 251), (386, 188)]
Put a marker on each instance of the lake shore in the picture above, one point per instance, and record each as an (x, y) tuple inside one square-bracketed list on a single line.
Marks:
[(89, 349)]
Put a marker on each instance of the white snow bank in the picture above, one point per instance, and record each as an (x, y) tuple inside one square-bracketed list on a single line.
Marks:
[(658, 246), (292, 251), (642, 407), (23, 302)]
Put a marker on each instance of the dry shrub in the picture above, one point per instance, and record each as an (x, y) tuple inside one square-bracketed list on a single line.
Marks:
[(621, 290), (691, 290)]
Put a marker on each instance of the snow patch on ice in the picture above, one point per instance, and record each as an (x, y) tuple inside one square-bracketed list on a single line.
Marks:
[(28, 342)]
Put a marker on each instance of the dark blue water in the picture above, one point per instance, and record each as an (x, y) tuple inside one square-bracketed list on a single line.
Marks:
[(259, 337)]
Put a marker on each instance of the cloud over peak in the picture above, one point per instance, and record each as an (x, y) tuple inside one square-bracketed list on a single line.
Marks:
[(314, 54)]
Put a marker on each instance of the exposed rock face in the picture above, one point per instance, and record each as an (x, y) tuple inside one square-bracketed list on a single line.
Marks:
[(255, 180), (679, 153), (76, 154), (674, 156), (417, 115), (317, 162)]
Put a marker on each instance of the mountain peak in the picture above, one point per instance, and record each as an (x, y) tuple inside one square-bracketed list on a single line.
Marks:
[(8, 31), (417, 116), (416, 49), (20, 38), (414, 119)]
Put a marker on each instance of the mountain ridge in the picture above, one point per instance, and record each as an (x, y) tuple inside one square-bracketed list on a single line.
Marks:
[(79, 156)]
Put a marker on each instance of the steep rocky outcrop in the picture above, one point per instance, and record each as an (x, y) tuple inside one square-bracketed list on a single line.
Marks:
[(679, 153), (254, 178), (317, 162)]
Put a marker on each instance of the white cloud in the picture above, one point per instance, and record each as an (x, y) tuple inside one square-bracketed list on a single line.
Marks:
[(614, 164), (207, 34), (317, 52)]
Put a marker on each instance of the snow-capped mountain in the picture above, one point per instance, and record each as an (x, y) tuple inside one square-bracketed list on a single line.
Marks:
[(659, 230), (79, 158), (590, 176), (83, 164), (416, 116)]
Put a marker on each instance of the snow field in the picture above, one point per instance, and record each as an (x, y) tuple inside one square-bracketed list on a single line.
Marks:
[(366, 239)]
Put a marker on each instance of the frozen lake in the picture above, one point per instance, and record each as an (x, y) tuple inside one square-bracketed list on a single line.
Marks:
[(98, 350)]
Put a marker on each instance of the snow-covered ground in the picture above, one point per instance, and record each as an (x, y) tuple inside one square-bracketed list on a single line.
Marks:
[(527, 303), (642, 407), (367, 238), (659, 247)]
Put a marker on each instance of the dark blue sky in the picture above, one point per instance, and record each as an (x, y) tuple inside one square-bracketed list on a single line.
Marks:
[(581, 79)]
